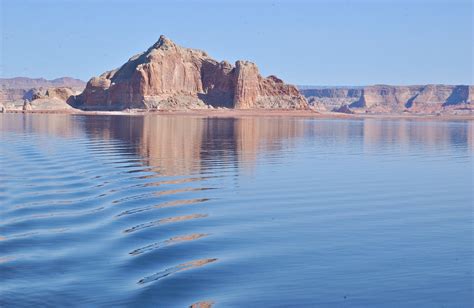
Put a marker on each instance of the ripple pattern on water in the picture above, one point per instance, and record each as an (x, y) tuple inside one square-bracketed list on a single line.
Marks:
[(78, 188), (174, 211), (175, 269)]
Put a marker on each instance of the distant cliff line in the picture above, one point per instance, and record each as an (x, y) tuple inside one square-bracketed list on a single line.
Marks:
[(26, 83), (430, 98)]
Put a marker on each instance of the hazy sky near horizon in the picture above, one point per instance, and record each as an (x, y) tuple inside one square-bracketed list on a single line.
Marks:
[(338, 42)]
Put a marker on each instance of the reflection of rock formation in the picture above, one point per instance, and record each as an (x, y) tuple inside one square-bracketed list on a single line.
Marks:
[(172, 143), (378, 134), (470, 135), (334, 132), (238, 141), (255, 135), (169, 144), (183, 145), (61, 125)]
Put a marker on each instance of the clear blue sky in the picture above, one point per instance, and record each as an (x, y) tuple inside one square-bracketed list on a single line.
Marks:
[(334, 42)]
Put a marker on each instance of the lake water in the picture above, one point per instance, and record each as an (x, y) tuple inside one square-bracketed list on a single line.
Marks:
[(169, 211)]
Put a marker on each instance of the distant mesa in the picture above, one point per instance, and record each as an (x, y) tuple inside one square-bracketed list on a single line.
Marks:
[(168, 76), (386, 99), (26, 83)]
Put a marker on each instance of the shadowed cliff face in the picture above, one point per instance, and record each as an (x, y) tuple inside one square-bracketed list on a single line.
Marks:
[(168, 76), (394, 99)]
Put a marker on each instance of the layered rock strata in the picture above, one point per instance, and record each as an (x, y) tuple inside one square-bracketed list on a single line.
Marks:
[(168, 76), (394, 99)]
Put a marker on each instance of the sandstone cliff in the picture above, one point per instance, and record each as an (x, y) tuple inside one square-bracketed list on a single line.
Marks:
[(168, 76), (424, 99), (329, 99)]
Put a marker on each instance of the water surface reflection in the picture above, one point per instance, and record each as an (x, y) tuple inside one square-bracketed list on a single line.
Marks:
[(175, 210)]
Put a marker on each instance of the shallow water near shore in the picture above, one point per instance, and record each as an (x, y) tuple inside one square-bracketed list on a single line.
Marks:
[(243, 212)]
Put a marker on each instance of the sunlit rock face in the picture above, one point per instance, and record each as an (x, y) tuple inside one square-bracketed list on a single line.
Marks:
[(50, 99), (41, 99), (22, 93), (415, 99), (168, 76), (426, 99)]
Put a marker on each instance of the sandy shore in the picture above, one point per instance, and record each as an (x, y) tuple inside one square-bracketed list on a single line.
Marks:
[(223, 113)]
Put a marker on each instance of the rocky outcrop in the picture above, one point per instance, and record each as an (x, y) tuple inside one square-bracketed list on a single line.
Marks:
[(41, 100), (53, 93), (394, 99), (344, 109), (51, 99), (168, 76), (328, 99), (40, 94), (246, 85), (27, 106)]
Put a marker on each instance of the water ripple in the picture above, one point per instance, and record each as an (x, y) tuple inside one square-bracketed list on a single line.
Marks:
[(171, 241), (164, 221), (175, 269), (163, 205), (91, 206)]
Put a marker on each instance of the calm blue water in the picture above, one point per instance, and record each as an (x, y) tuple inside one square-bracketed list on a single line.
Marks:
[(169, 211)]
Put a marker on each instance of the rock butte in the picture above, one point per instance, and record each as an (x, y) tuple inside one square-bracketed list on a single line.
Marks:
[(168, 76)]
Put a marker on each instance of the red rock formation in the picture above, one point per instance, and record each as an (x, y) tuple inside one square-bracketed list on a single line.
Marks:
[(422, 99), (417, 99), (246, 83), (168, 76), (50, 93)]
